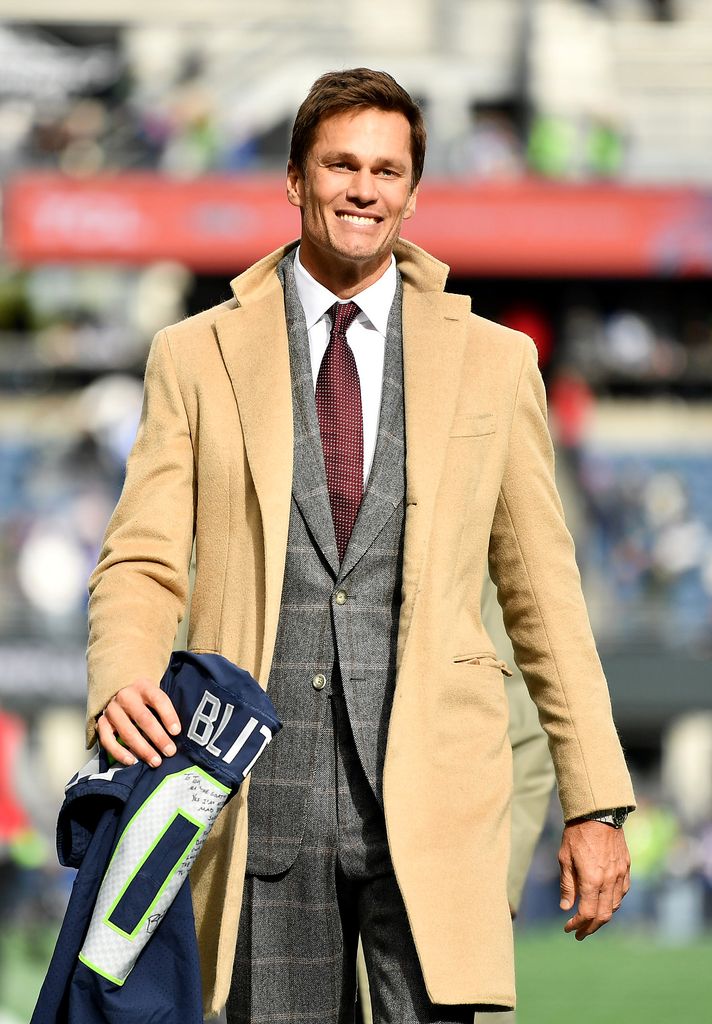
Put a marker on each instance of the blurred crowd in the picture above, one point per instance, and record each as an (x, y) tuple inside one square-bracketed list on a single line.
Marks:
[(630, 408), (73, 343), (501, 145), (186, 100), (120, 104)]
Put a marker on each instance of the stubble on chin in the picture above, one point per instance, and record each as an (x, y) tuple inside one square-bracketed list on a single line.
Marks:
[(363, 253)]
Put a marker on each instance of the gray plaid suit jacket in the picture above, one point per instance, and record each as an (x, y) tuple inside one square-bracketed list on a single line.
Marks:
[(352, 642)]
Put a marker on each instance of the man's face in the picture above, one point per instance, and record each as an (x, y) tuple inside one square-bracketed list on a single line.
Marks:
[(354, 195)]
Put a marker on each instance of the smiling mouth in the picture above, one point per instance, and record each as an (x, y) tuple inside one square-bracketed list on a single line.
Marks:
[(354, 218)]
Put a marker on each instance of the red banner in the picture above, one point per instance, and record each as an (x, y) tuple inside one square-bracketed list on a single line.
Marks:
[(220, 224)]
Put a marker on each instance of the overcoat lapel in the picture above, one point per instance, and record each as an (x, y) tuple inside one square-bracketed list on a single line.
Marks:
[(253, 342), (434, 338)]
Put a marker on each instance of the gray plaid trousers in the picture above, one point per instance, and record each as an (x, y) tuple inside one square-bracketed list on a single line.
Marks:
[(296, 950)]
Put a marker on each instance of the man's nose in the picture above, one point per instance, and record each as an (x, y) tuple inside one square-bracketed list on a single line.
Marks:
[(362, 187)]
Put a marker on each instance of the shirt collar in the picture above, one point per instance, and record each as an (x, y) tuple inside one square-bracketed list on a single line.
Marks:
[(375, 301)]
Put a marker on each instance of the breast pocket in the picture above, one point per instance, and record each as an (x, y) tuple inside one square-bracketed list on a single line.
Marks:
[(473, 426)]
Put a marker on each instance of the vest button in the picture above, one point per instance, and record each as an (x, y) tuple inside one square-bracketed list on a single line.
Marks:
[(340, 597), (319, 681)]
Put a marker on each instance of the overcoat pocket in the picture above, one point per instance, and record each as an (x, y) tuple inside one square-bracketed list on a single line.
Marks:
[(487, 660), (473, 426)]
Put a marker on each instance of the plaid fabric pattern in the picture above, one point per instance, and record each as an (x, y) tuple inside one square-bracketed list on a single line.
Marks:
[(296, 951), (334, 612), (338, 407)]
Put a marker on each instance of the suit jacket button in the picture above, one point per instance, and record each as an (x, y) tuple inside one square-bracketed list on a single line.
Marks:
[(340, 597), (319, 681)]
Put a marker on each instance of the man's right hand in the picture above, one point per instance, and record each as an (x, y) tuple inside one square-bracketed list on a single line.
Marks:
[(141, 715)]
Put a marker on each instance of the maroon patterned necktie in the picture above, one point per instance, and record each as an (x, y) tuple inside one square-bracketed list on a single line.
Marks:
[(338, 406)]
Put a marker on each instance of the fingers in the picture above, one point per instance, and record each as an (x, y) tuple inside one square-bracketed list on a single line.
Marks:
[(162, 705), (111, 744), (619, 891), (134, 724), (622, 884), (567, 885), (595, 908)]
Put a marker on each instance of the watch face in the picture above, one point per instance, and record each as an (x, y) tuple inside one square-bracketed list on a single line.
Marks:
[(619, 816)]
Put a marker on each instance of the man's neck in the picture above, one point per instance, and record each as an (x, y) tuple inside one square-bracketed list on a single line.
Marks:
[(342, 278)]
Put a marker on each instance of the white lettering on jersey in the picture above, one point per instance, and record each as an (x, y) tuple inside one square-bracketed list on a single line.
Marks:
[(241, 740), (207, 721), (227, 715), (203, 732), (267, 733)]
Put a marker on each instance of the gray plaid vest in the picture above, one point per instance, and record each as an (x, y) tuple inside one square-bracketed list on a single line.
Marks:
[(337, 622)]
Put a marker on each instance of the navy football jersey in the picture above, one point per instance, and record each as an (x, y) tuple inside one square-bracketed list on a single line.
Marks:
[(127, 949)]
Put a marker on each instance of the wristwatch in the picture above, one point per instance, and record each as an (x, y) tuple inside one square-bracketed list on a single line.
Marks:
[(615, 817)]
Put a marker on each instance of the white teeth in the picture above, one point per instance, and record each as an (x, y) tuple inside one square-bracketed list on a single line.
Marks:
[(353, 219)]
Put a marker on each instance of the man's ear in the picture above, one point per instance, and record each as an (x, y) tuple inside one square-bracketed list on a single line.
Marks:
[(295, 185), (410, 205)]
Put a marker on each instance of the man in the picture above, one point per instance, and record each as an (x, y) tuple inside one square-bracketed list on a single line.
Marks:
[(343, 504)]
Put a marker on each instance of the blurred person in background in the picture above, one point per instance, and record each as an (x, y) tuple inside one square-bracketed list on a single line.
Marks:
[(532, 768), (333, 563)]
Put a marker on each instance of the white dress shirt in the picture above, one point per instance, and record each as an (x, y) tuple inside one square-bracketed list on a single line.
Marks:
[(366, 337)]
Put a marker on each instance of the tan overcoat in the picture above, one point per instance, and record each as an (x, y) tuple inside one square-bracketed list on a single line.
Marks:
[(212, 464)]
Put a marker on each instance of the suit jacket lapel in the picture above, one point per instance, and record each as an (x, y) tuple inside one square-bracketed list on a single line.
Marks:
[(309, 486), (386, 484)]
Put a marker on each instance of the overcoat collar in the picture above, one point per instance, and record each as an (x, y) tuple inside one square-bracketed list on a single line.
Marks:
[(254, 345)]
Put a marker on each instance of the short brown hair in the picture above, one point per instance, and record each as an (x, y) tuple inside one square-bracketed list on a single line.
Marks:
[(356, 89)]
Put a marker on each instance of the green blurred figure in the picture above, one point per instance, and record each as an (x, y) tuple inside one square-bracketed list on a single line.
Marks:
[(562, 148), (552, 145), (652, 836), (604, 149)]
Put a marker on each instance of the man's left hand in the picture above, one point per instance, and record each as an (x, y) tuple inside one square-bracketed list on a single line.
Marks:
[(595, 869)]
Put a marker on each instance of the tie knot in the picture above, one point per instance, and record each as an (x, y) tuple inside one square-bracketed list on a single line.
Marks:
[(342, 316)]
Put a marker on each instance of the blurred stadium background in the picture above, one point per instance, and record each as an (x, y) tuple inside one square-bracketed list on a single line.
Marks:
[(569, 186)]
